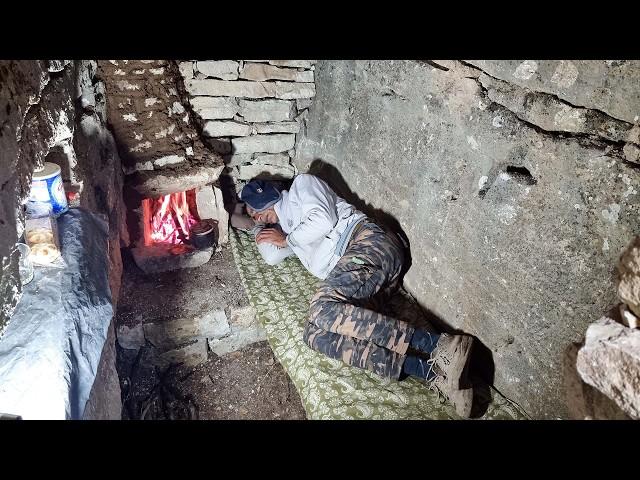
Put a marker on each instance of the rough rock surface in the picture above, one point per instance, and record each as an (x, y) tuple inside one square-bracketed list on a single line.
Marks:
[(104, 400), (514, 230), (610, 86), (22, 84), (584, 402), (55, 111), (629, 271), (610, 362)]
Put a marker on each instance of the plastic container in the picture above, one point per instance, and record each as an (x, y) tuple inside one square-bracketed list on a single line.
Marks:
[(41, 235), (25, 265), (47, 195)]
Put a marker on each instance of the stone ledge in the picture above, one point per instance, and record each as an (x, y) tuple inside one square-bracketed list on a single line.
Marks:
[(157, 258), (157, 184)]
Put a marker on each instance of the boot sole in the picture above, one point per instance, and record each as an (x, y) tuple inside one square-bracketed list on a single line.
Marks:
[(467, 402)]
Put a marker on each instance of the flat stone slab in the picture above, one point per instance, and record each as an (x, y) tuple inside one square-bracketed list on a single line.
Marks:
[(175, 333), (224, 69), (231, 88), (263, 170), (211, 108), (264, 143), (189, 355), (266, 110), (156, 184), (260, 72), (245, 330), (158, 258), (292, 63), (291, 90), (281, 159), (226, 129), (222, 346), (281, 127)]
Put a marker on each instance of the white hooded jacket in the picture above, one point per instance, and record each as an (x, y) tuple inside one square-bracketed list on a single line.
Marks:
[(318, 223)]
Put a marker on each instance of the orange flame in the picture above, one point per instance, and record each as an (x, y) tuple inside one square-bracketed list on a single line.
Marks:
[(171, 220)]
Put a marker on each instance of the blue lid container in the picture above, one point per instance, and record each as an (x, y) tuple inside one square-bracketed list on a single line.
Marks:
[(47, 192)]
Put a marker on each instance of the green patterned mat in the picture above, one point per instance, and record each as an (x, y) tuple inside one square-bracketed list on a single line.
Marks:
[(329, 388)]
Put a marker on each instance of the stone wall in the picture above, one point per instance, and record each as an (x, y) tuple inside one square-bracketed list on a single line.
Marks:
[(55, 111), (251, 111), (516, 184)]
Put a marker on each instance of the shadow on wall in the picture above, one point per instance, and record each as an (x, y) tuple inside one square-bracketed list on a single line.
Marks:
[(482, 367)]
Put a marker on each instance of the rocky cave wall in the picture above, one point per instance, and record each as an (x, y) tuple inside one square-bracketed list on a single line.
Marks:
[(55, 111), (516, 183)]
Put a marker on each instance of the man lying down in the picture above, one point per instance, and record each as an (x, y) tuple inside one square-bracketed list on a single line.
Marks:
[(360, 265)]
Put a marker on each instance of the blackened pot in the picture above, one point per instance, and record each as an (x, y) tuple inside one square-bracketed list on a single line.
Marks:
[(204, 234)]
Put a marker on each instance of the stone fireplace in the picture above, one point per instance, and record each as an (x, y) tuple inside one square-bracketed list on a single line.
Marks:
[(170, 175), (179, 126), (167, 215)]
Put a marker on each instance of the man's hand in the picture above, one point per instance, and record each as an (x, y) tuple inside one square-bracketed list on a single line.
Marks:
[(272, 236)]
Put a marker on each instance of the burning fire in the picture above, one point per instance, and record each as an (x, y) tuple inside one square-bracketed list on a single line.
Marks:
[(170, 219)]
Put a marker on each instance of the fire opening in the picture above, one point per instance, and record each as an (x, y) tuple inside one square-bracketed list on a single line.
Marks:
[(168, 220)]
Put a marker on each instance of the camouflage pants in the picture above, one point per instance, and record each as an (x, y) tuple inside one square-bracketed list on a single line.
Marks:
[(345, 322)]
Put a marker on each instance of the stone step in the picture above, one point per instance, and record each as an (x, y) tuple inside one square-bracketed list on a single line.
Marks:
[(185, 340), (175, 333)]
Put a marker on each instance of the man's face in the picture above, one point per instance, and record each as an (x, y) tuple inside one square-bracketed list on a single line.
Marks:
[(265, 216)]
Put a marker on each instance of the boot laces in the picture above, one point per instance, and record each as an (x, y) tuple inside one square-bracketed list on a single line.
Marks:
[(435, 382)]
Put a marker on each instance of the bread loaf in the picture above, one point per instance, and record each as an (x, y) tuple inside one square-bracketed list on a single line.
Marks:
[(42, 237)]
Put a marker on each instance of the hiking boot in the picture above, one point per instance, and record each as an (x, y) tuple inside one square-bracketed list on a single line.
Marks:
[(451, 356), (462, 400)]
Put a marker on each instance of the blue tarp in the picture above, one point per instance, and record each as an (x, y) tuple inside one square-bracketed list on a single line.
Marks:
[(51, 348)]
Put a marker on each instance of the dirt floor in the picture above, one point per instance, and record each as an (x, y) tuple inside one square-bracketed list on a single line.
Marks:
[(216, 285), (246, 384)]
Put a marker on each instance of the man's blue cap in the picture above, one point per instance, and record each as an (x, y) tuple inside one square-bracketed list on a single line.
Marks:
[(260, 194)]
